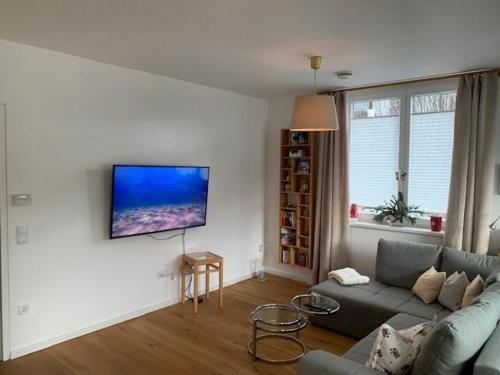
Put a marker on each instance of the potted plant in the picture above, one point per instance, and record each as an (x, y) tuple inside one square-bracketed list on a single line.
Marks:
[(397, 211)]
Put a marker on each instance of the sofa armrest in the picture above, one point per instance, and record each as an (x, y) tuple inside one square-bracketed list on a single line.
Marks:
[(319, 362)]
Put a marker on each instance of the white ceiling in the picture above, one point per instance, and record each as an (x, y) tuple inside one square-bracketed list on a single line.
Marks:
[(261, 47)]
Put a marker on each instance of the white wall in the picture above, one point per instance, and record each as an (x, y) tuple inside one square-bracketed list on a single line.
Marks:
[(363, 240), (68, 120)]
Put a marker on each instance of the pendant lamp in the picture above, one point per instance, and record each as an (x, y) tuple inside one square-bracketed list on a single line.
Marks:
[(314, 112)]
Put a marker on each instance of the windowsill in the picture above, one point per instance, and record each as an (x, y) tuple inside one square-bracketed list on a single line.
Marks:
[(411, 230)]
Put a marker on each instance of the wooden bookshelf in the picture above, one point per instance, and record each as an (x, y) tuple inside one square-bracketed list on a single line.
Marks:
[(297, 198)]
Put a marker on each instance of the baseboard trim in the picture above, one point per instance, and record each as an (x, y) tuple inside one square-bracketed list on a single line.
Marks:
[(19, 352), (289, 275)]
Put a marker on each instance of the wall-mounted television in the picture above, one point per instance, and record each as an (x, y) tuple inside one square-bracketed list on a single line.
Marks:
[(149, 199)]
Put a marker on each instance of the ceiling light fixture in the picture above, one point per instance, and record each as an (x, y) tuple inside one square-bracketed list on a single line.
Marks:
[(314, 112)]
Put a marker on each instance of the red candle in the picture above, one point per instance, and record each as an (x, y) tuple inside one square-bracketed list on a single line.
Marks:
[(354, 211), (436, 223)]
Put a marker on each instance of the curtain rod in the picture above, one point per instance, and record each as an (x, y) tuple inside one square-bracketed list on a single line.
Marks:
[(411, 80)]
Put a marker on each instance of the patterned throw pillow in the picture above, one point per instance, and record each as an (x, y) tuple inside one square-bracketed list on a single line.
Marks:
[(395, 351)]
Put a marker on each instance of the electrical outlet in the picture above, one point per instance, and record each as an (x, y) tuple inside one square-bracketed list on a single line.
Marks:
[(162, 274), (23, 309), (22, 237)]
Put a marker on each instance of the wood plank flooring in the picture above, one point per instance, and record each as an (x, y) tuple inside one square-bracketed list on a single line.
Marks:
[(174, 341)]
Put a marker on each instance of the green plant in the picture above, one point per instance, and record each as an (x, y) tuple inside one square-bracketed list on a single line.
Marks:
[(397, 210)]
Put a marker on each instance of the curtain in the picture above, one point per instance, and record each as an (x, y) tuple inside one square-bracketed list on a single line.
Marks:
[(331, 234), (472, 173)]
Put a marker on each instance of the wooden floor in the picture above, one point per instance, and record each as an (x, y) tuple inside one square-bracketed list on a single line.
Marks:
[(173, 341)]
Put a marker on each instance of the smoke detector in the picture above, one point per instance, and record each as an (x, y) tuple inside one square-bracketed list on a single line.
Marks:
[(345, 74)]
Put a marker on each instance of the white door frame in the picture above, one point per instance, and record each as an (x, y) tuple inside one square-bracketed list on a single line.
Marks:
[(4, 250)]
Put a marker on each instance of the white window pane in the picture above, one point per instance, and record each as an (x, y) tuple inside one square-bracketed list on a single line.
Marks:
[(431, 146), (374, 151)]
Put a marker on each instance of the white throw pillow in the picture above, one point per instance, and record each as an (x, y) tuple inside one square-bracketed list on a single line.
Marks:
[(395, 351), (428, 285), (453, 290)]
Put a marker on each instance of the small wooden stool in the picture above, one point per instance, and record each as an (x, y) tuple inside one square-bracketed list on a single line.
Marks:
[(190, 265)]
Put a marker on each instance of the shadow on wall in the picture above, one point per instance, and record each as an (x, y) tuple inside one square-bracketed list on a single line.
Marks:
[(99, 201)]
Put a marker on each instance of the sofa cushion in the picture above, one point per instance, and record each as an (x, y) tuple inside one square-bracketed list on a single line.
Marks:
[(427, 311), (488, 362), (401, 263), (474, 289), (490, 295), (453, 290), (364, 307), (373, 299), (471, 264), (361, 351), (493, 278), (456, 339), (394, 351), (429, 285)]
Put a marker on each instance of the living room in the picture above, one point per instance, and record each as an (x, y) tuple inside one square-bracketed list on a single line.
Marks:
[(176, 174)]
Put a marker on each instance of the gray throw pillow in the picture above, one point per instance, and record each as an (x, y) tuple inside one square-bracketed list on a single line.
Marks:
[(452, 291)]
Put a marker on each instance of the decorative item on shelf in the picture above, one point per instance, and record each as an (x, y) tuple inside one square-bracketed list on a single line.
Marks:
[(314, 112), (303, 166), (301, 259), (397, 211), (287, 177), (288, 187), (304, 187), (294, 138), (436, 223), (354, 211), (299, 153), (285, 256), (288, 237), (303, 138)]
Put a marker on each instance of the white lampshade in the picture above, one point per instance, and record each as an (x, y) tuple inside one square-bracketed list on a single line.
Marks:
[(314, 113)]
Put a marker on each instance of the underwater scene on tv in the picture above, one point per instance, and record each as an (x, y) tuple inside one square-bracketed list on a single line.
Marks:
[(148, 199)]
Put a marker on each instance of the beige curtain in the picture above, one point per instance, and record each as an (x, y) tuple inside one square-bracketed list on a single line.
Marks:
[(472, 173), (331, 235)]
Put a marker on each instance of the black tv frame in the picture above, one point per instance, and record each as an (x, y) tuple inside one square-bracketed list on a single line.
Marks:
[(153, 166)]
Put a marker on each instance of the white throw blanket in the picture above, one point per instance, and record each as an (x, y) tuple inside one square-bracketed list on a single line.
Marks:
[(348, 276)]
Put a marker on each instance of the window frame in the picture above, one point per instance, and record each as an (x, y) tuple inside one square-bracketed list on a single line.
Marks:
[(404, 93)]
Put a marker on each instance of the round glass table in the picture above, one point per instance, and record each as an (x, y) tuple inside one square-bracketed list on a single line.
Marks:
[(315, 304), (277, 322)]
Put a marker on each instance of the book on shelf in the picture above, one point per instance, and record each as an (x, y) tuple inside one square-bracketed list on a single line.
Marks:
[(301, 259), (289, 218), (285, 256)]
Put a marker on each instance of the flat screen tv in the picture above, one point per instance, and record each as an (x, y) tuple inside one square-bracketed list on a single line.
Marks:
[(149, 199)]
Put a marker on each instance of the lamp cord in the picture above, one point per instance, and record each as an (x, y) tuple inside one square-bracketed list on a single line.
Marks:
[(315, 83)]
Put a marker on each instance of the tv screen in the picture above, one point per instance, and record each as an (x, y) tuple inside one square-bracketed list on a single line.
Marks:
[(149, 199)]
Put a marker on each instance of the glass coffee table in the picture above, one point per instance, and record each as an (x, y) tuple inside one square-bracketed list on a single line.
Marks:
[(284, 322), (315, 304), (276, 322)]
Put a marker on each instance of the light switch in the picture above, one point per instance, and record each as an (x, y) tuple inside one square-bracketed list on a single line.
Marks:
[(22, 236), (21, 199)]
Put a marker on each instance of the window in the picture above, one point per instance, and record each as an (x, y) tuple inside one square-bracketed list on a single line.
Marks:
[(405, 133)]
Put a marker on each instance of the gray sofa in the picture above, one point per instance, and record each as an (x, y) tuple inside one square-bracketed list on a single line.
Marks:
[(463, 342)]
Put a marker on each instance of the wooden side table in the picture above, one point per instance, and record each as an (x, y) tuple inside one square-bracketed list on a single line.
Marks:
[(191, 264)]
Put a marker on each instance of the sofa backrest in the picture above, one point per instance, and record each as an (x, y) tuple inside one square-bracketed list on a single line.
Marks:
[(401, 263), (488, 362), (471, 264), (453, 344)]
